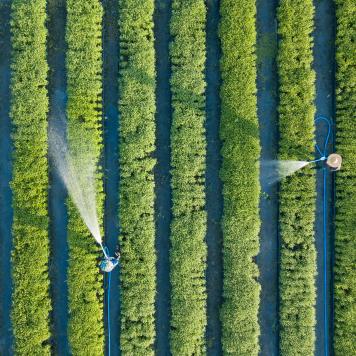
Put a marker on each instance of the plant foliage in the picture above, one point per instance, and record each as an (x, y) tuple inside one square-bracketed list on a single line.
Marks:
[(345, 235), (84, 67), (188, 151), (239, 133), (29, 107), (137, 144), (297, 192)]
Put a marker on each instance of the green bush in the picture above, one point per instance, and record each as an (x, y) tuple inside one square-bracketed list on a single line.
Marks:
[(239, 133), (188, 151), (84, 67), (136, 147), (345, 236), (29, 107), (297, 192)]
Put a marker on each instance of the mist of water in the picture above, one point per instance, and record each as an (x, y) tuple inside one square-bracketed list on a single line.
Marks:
[(77, 171), (274, 170)]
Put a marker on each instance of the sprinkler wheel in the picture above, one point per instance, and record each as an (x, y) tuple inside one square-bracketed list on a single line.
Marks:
[(334, 161)]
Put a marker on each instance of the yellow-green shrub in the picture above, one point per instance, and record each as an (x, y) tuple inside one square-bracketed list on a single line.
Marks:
[(297, 192), (136, 203), (29, 107), (240, 176), (345, 234), (188, 151), (84, 89)]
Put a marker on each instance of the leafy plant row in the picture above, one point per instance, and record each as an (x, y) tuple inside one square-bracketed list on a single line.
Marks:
[(345, 235), (297, 192), (239, 133), (188, 150), (84, 131), (29, 107), (136, 147)]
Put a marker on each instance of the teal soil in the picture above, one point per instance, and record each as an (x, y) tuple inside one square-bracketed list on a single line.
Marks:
[(6, 213), (162, 175), (111, 163), (214, 199), (57, 193), (324, 63), (267, 260)]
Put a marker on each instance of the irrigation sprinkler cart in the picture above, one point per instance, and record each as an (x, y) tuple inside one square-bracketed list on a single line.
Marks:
[(108, 264), (334, 160)]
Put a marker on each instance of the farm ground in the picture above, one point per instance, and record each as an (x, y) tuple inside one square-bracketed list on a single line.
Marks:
[(57, 193), (110, 160), (162, 174), (324, 65), (5, 177), (267, 259), (267, 109)]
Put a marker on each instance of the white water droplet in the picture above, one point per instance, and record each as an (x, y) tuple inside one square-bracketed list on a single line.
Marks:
[(286, 168), (274, 170), (78, 175)]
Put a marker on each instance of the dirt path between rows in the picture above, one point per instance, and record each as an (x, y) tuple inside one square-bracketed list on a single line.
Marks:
[(324, 39), (6, 213), (111, 161), (56, 10), (267, 259), (162, 175), (214, 199)]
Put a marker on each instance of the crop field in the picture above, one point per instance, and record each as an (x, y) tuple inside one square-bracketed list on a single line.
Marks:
[(187, 145)]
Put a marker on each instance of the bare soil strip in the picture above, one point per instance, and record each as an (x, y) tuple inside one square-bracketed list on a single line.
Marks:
[(111, 159), (5, 178), (324, 62), (162, 174), (267, 112), (214, 199), (56, 10)]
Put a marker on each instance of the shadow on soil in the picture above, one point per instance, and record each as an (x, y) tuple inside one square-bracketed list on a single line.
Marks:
[(58, 264), (111, 163), (267, 259), (162, 174), (214, 199), (6, 213)]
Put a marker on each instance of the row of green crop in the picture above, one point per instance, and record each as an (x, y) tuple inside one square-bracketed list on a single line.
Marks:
[(29, 107), (345, 234), (137, 143), (240, 176), (188, 150), (297, 192), (84, 66)]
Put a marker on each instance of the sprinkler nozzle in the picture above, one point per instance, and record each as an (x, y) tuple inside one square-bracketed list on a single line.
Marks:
[(323, 158), (104, 250)]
